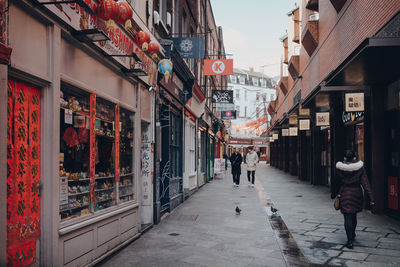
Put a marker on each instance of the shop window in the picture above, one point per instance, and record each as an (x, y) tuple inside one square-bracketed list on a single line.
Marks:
[(192, 148), (96, 154), (126, 148)]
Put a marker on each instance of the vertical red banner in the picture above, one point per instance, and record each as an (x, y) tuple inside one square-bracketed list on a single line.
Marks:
[(34, 160), (92, 145), (23, 173), (116, 150)]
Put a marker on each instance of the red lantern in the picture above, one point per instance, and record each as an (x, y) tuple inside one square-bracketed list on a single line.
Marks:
[(107, 9), (124, 13), (142, 37), (153, 48)]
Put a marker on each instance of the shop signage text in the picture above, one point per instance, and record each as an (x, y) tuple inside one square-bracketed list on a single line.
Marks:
[(293, 131), (192, 47), (304, 125), (322, 119), (240, 141), (275, 136), (354, 102), (222, 96), (285, 132), (352, 116)]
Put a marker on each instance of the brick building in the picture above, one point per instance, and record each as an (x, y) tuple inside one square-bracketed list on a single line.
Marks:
[(345, 47)]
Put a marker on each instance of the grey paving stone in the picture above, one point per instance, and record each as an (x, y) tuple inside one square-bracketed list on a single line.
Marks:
[(353, 255), (374, 251), (394, 236), (384, 259)]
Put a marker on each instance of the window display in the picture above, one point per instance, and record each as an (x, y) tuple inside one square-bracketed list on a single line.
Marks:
[(94, 165), (104, 152), (74, 154), (126, 146)]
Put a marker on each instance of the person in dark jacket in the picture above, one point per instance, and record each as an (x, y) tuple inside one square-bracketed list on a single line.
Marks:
[(236, 161), (351, 176)]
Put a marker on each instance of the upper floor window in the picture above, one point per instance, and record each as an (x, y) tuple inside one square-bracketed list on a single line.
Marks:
[(255, 81), (233, 79), (241, 79), (264, 98), (258, 96), (237, 94)]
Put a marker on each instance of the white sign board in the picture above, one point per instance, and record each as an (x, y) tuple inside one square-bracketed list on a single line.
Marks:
[(304, 125), (322, 119), (275, 136), (285, 132), (354, 102), (219, 168), (68, 116), (63, 190), (271, 139), (225, 106), (293, 131)]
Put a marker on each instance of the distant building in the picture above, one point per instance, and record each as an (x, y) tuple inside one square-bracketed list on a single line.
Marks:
[(253, 91)]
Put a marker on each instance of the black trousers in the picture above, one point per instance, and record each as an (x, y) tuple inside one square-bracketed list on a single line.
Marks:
[(236, 178), (253, 173), (350, 224)]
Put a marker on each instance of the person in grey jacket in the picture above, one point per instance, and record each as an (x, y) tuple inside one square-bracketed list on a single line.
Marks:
[(251, 160)]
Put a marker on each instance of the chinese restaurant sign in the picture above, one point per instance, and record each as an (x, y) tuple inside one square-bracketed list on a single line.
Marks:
[(120, 42), (218, 67), (228, 115), (354, 102)]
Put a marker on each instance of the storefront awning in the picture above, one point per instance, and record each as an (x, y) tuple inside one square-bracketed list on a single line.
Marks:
[(376, 60)]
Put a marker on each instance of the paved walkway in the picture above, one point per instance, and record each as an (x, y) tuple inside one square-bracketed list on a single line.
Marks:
[(318, 229), (205, 231)]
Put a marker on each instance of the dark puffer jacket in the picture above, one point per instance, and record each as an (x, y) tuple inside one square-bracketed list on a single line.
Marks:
[(352, 175)]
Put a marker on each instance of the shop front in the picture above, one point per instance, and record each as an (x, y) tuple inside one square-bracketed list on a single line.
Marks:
[(371, 70), (77, 141)]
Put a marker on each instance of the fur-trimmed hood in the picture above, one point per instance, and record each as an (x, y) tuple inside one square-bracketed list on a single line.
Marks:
[(349, 167)]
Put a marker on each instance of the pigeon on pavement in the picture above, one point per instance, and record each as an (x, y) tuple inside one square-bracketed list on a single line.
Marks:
[(238, 210), (273, 210)]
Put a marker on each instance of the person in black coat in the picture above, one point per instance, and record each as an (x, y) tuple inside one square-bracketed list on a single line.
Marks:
[(236, 161), (351, 176)]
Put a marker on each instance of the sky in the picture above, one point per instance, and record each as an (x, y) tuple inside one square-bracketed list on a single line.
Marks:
[(252, 29)]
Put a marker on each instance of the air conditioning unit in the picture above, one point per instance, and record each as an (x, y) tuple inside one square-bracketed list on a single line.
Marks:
[(169, 20), (156, 18)]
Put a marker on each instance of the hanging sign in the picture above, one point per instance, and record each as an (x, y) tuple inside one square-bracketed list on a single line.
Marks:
[(304, 112), (218, 67), (228, 115), (225, 106), (304, 125), (222, 96), (192, 47), (293, 119), (285, 132), (293, 131), (63, 190), (354, 102), (322, 119)]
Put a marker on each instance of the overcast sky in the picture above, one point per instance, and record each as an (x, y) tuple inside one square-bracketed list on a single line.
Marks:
[(252, 29)]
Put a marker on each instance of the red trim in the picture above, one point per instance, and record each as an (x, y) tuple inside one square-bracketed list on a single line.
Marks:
[(116, 143), (198, 93)]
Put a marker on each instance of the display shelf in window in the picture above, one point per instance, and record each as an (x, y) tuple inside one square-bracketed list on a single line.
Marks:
[(126, 147), (74, 152)]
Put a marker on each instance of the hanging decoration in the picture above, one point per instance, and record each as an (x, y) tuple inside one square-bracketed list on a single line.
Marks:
[(23, 173), (107, 9), (165, 68), (124, 13), (154, 48), (142, 39)]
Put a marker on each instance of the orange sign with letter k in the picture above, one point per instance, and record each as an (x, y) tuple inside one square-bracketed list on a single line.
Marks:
[(218, 67)]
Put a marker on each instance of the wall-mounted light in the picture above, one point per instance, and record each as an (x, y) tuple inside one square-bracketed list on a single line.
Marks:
[(91, 35)]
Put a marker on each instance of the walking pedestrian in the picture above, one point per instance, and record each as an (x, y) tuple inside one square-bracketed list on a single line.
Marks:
[(351, 176), (251, 160), (236, 169)]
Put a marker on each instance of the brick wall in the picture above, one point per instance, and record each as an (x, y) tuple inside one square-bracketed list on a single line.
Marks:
[(339, 34)]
